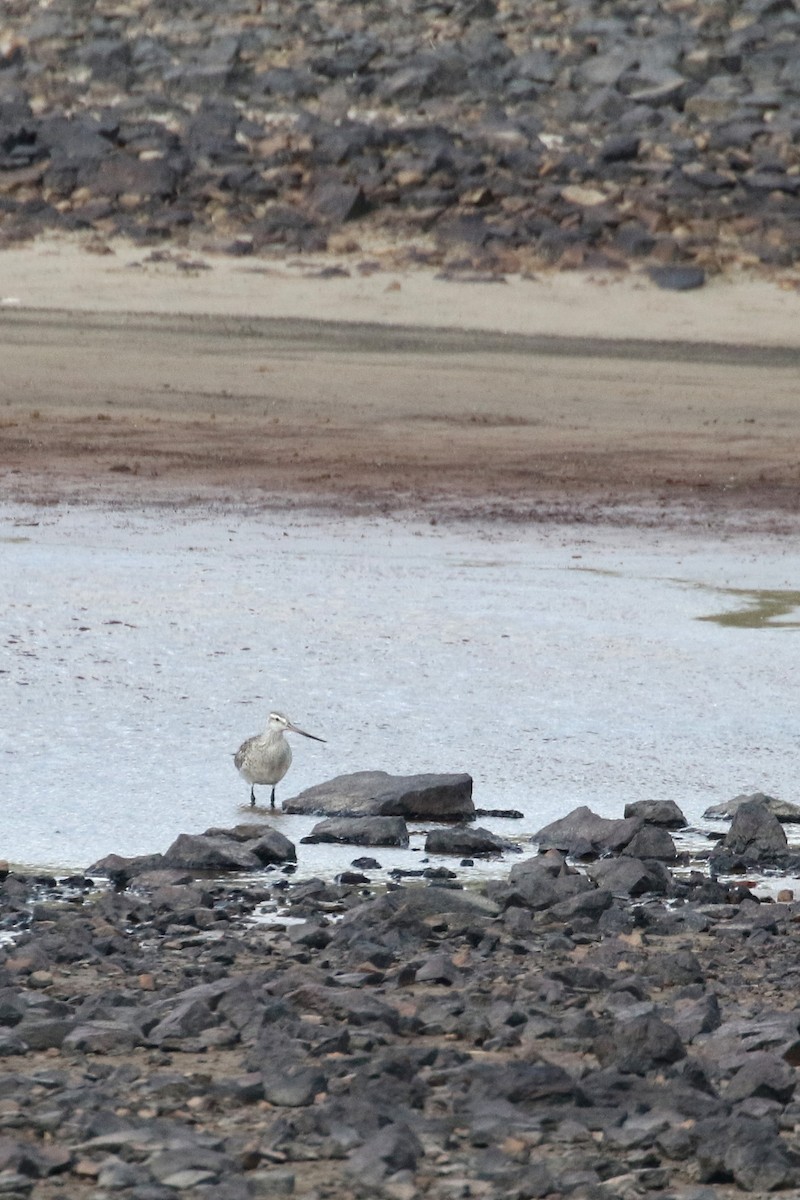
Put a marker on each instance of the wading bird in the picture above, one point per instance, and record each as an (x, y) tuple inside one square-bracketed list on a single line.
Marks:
[(265, 758)]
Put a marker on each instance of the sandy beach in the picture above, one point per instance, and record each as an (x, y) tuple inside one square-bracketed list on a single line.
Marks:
[(148, 377)]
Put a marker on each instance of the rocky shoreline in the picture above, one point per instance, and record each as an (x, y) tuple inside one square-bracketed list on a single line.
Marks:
[(482, 135), (590, 1024)]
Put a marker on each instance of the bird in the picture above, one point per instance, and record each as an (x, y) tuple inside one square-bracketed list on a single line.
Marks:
[(266, 757)]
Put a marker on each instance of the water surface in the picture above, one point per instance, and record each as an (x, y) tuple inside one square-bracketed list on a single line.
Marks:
[(558, 665)]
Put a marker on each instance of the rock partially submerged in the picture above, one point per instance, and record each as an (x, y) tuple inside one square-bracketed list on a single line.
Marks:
[(242, 848), (784, 810), (584, 834), (378, 794), (657, 812), (466, 841), (360, 831), (755, 835)]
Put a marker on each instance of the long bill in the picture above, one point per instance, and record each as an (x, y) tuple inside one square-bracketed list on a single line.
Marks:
[(313, 736)]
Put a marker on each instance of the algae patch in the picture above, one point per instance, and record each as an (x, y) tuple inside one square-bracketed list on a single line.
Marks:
[(760, 610)]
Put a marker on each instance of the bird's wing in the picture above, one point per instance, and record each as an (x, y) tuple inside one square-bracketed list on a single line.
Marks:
[(240, 754)]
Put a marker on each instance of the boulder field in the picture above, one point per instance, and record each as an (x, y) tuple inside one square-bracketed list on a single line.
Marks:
[(598, 1026)]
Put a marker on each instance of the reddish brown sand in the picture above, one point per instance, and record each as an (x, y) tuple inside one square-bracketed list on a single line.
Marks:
[(174, 405)]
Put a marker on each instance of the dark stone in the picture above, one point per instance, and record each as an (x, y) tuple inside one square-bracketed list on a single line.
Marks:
[(629, 876), (123, 174), (290, 82), (784, 810), (374, 793), (677, 279), (272, 847), (291, 1086), (108, 59), (173, 1167), (674, 969), (582, 833), (102, 1037), (639, 1045), (361, 831), (185, 1019), (657, 812), (540, 882), (339, 202), (526, 1083), (695, 1017), (438, 969), (651, 841), (199, 852), (763, 1074), (620, 147), (755, 833), (463, 840), (745, 1151), (393, 1148), (590, 904)]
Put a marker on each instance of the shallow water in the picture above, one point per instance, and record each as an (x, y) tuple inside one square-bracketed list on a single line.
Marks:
[(558, 665)]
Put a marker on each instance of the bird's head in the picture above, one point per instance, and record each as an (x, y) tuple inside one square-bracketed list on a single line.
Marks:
[(281, 724)]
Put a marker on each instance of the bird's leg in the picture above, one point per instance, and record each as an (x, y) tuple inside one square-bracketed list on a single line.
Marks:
[(252, 796), (272, 799)]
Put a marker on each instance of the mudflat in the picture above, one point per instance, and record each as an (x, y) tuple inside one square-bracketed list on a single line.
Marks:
[(124, 378)]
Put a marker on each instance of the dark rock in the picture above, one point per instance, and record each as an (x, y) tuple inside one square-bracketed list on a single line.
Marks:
[(507, 814), (590, 904), (393, 1148), (657, 812), (695, 1017), (185, 1019), (375, 793), (677, 279), (620, 147), (755, 833), (345, 1004), (745, 1151), (651, 841), (674, 969), (339, 202), (102, 1037), (785, 811), (120, 174), (640, 1045), (463, 840), (189, 1166), (108, 59), (526, 1084), (763, 1074), (273, 847), (629, 876), (121, 869), (541, 881), (361, 831), (199, 852), (292, 83), (582, 834), (291, 1086), (438, 969)]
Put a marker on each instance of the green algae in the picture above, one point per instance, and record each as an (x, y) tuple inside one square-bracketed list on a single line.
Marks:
[(760, 609)]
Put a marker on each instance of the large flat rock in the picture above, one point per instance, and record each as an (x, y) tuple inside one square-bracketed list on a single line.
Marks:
[(378, 794)]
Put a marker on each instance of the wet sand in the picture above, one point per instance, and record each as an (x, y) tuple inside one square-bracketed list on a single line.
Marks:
[(570, 397)]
